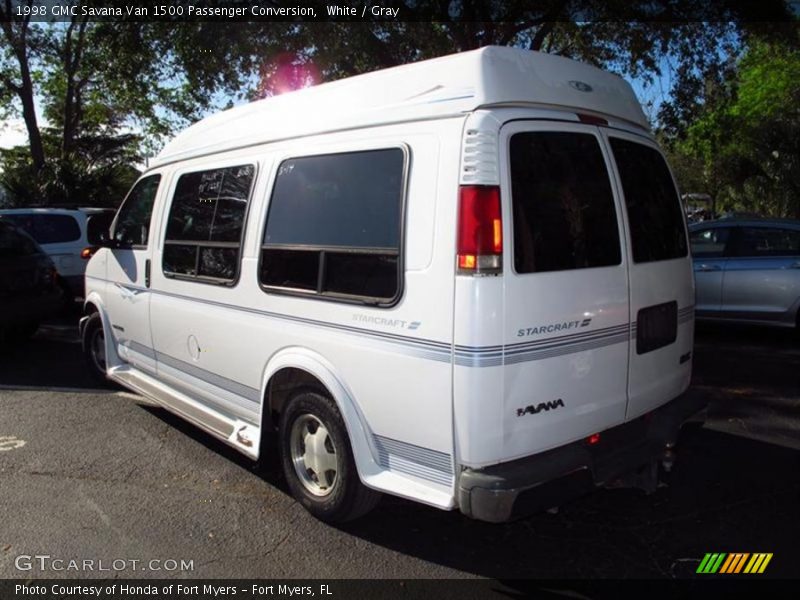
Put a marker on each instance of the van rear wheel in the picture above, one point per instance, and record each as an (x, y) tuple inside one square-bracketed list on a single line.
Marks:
[(318, 461)]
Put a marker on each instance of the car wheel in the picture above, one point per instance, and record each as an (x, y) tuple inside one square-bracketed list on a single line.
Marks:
[(318, 461), (94, 347)]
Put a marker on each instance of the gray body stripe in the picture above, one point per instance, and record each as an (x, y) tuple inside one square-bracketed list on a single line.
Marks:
[(234, 387), (229, 385), (140, 348), (471, 356), (410, 459)]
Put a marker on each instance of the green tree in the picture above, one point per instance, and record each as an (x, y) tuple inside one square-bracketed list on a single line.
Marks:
[(741, 141), (96, 82)]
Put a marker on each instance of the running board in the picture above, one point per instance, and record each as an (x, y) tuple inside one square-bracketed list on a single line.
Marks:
[(243, 436)]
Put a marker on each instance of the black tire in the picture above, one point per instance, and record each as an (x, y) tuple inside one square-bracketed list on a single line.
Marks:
[(337, 496), (92, 335)]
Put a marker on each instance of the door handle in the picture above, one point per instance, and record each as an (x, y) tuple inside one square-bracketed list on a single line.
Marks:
[(126, 292), (706, 268), (147, 273), (795, 265)]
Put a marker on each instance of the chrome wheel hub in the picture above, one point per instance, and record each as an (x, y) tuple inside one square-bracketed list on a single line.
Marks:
[(313, 455)]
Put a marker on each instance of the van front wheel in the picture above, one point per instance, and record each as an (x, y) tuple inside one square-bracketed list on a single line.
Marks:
[(318, 461), (94, 348)]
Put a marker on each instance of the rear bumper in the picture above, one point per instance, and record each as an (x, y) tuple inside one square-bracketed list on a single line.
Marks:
[(521, 487)]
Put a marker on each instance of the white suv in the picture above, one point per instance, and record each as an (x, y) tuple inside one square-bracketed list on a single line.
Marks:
[(68, 236)]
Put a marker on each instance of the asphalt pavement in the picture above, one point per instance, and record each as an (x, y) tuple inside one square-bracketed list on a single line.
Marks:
[(93, 473)]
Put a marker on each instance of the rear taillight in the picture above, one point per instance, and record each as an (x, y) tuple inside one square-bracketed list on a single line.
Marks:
[(480, 230), (88, 252)]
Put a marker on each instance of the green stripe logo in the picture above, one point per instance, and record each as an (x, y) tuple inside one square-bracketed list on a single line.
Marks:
[(711, 562)]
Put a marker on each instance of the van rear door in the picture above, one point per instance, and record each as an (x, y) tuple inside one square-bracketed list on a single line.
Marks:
[(661, 284), (565, 277)]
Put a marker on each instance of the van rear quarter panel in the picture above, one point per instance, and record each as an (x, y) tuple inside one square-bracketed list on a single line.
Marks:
[(395, 362)]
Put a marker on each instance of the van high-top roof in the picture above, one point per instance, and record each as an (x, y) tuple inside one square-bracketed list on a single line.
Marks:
[(453, 85)]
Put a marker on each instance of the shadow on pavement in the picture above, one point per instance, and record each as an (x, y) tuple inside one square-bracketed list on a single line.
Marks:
[(727, 493), (52, 359)]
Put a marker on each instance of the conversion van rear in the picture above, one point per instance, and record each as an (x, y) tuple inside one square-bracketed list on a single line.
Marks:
[(464, 281)]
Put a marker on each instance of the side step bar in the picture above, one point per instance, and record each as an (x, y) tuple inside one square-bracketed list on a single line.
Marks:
[(243, 436)]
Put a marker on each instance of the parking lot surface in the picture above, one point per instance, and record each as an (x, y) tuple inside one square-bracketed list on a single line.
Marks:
[(98, 474)]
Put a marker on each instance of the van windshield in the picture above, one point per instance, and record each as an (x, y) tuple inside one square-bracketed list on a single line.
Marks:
[(654, 210)]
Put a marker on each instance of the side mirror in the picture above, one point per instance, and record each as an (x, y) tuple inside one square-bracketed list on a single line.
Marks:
[(106, 241)]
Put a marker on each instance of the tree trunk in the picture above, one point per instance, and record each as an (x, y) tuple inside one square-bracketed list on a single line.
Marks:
[(24, 89), (25, 93)]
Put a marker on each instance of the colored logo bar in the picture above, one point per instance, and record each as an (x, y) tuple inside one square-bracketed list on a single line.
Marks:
[(736, 562)]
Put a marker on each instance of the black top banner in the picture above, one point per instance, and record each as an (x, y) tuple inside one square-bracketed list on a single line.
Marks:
[(468, 11)]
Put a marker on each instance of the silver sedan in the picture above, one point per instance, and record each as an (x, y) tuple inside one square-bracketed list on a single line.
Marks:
[(747, 270)]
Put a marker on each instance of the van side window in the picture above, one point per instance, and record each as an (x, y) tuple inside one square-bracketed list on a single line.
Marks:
[(132, 225), (564, 216), (654, 210), (206, 224), (334, 226)]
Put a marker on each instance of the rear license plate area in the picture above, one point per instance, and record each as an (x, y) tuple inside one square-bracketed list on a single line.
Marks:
[(656, 327)]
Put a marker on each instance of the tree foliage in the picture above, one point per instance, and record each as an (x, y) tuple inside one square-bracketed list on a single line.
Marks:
[(740, 136), (97, 172), (98, 80)]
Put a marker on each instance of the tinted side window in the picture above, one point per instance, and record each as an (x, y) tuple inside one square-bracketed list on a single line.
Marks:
[(564, 216), (709, 243), (654, 210), (334, 225), (768, 241), (48, 229), (206, 224), (132, 225)]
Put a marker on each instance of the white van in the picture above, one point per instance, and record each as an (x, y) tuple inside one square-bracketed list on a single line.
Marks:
[(464, 282)]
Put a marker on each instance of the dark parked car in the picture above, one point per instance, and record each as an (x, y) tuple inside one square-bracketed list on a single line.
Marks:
[(747, 270), (68, 235), (29, 288)]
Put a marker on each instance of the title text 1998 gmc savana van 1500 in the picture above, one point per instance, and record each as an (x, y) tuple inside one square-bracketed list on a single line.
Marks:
[(464, 282)]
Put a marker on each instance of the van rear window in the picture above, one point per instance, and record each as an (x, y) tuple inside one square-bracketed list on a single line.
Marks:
[(564, 216), (334, 226), (654, 210)]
